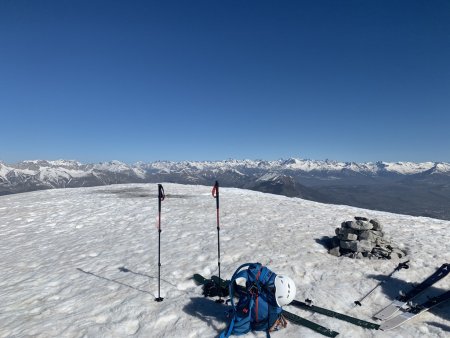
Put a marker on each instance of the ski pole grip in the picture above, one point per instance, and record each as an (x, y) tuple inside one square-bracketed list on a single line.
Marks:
[(215, 193)]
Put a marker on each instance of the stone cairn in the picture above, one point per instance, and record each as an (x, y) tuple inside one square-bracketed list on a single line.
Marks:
[(363, 238)]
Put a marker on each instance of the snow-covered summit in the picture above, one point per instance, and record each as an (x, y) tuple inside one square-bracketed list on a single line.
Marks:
[(84, 262), (114, 166), (441, 168), (4, 170), (36, 164), (408, 168)]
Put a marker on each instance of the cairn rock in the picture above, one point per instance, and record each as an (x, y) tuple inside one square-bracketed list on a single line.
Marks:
[(349, 245), (363, 238), (345, 230), (381, 253), (382, 242), (370, 235), (346, 224), (360, 225), (335, 251), (376, 224), (346, 236), (364, 246)]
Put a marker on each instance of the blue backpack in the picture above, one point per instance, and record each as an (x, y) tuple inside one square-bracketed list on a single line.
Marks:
[(257, 308)]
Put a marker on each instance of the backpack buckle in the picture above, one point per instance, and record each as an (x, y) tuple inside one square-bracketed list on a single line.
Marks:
[(254, 289)]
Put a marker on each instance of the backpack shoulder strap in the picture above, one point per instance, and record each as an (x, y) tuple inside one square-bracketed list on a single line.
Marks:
[(239, 273)]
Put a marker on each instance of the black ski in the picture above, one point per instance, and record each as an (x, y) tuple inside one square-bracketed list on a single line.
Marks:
[(414, 311), (402, 301), (293, 318), (210, 287), (333, 314), (199, 279), (296, 319), (317, 309)]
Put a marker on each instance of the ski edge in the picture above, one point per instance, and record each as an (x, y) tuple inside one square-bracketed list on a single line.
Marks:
[(337, 315), (389, 310), (414, 311), (400, 302), (296, 319)]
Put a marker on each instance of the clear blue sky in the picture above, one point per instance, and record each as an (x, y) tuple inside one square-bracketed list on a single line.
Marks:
[(209, 80)]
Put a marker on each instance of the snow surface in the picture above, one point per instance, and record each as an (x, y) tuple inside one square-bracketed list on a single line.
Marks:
[(83, 262)]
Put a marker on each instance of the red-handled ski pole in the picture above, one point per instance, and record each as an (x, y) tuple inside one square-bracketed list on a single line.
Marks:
[(215, 193), (161, 197)]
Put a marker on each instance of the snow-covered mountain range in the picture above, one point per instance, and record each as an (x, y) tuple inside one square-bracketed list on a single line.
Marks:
[(63, 173), (423, 187)]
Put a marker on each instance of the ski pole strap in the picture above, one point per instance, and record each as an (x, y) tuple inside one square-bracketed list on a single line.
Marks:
[(215, 193), (161, 194)]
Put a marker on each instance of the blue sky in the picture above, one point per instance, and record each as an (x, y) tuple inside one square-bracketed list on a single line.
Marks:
[(209, 80)]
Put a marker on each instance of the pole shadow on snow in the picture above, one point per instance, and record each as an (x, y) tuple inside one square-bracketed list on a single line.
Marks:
[(207, 310), (114, 281), (392, 287), (124, 269)]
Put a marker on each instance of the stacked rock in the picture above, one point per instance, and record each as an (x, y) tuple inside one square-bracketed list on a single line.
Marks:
[(363, 238)]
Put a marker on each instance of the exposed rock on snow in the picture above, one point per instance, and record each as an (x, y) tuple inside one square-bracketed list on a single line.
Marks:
[(363, 238)]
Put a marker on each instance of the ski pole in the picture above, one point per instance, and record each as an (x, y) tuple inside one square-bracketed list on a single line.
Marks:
[(400, 266), (161, 197), (215, 194)]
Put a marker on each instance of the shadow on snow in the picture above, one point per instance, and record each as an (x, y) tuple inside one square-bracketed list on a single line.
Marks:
[(206, 309), (125, 270), (392, 287)]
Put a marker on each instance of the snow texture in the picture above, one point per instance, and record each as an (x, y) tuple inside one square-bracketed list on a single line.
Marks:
[(83, 262)]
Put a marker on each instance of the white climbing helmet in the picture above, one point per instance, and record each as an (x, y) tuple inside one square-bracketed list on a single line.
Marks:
[(284, 290)]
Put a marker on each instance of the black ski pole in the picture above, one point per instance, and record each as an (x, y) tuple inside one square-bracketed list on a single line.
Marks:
[(400, 266), (161, 197), (215, 193)]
